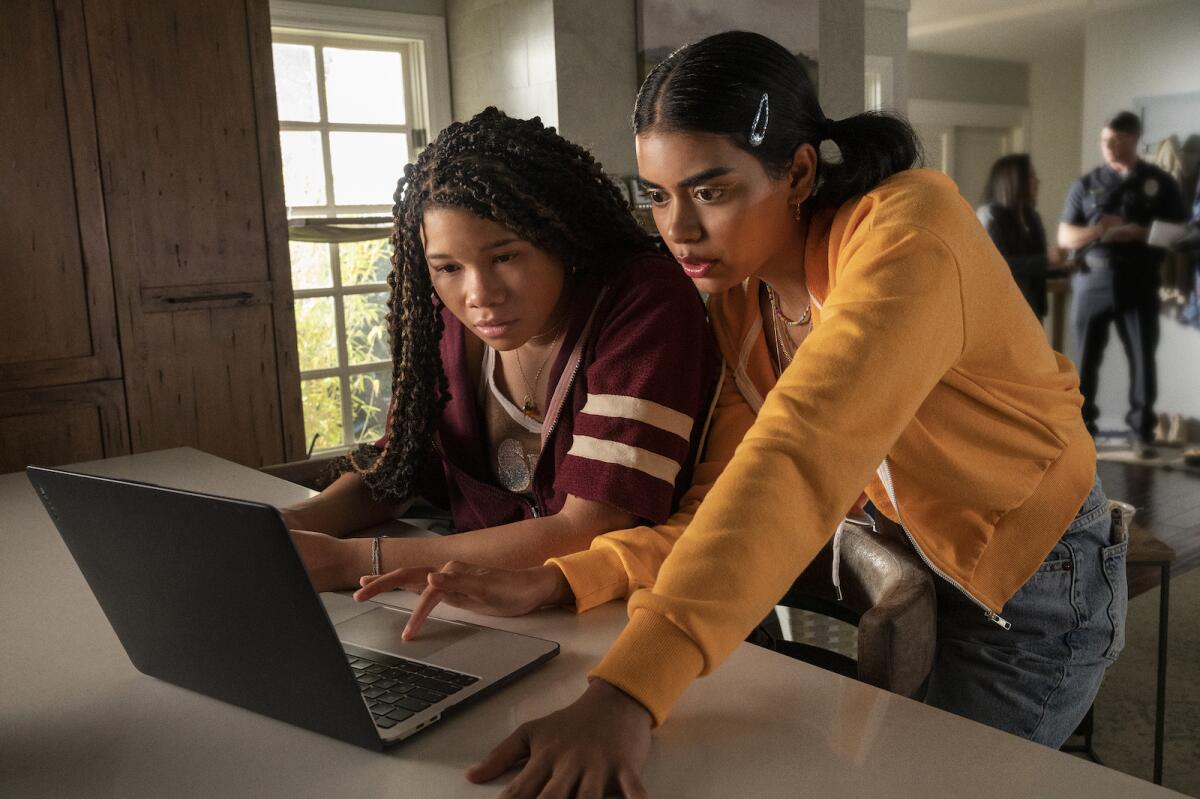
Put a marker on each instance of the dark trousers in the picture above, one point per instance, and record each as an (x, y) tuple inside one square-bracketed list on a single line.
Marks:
[(1133, 310)]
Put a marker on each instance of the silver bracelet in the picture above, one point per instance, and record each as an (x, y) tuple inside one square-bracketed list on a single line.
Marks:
[(376, 555)]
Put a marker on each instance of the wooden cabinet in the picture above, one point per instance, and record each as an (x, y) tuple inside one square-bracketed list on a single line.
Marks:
[(60, 424), (145, 294), (61, 396)]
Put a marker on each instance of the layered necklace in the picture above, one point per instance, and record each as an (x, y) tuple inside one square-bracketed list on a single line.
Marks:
[(780, 324), (528, 405)]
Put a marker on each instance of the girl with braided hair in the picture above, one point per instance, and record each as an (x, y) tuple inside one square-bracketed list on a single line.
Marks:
[(551, 370)]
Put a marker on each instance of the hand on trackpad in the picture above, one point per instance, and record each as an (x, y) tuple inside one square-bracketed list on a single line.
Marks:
[(380, 629)]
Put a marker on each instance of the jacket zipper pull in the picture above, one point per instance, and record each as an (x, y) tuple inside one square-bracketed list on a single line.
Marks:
[(995, 618)]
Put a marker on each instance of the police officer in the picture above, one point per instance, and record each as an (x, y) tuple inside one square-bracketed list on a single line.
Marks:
[(1106, 221)]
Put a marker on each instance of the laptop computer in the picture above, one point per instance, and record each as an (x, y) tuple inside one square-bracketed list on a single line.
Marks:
[(208, 593)]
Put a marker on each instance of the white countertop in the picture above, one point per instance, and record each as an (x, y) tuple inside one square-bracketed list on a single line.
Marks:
[(76, 719)]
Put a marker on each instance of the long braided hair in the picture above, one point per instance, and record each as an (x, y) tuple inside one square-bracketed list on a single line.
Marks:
[(519, 174)]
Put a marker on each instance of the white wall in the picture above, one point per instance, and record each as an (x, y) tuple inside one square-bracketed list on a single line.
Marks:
[(595, 49), (841, 57), (1056, 110), (502, 54), (950, 94), (433, 8), (965, 79), (571, 62), (1148, 51), (1051, 87), (668, 24), (887, 37)]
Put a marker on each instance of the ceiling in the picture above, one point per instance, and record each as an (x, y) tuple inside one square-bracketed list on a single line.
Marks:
[(1015, 30)]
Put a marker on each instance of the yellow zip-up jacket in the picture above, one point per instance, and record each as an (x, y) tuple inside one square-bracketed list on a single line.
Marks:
[(619, 563), (924, 353)]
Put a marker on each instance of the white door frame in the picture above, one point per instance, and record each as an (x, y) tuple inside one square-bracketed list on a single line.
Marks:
[(945, 116)]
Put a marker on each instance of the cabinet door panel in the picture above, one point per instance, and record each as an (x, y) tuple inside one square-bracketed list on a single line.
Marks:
[(175, 109), (58, 323), (62, 424), (196, 228), (190, 399)]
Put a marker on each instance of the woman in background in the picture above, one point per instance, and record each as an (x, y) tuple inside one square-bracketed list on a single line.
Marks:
[(1009, 217)]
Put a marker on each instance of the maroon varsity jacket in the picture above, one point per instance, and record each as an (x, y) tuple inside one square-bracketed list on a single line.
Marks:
[(633, 386)]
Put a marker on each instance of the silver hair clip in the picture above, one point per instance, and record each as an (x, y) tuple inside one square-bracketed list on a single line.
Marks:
[(758, 130)]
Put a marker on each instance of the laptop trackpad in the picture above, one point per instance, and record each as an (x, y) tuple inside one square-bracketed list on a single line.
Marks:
[(380, 630)]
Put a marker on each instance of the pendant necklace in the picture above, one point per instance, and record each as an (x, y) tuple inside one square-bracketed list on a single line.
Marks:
[(528, 406), (784, 346)]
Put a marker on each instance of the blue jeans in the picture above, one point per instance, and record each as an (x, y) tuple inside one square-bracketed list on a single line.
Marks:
[(1038, 679)]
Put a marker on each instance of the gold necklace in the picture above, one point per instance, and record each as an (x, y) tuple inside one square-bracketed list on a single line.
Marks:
[(528, 406), (781, 351), (784, 346), (804, 319)]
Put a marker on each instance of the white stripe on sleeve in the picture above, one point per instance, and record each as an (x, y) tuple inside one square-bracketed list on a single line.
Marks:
[(643, 460), (640, 410)]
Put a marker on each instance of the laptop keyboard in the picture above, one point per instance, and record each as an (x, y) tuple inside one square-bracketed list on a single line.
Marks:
[(395, 689)]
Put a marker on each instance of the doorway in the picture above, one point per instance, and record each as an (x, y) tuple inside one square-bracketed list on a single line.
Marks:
[(975, 150)]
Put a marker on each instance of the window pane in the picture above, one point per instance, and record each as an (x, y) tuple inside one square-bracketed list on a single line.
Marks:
[(310, 265), (366, 166), (316, 336), (303, 168), (365, 261), (364, 86), (322, 400), (369, 397), (296, 82), (366, 328)]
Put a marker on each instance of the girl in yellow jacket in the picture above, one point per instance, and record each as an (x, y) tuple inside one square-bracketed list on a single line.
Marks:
[(903, 358)]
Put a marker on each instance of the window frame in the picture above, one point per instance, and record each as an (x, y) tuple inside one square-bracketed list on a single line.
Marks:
[(430, 74), (421, 42), (411, 127)]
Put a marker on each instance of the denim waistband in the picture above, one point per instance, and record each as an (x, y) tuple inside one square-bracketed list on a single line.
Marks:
[(1093, 508)]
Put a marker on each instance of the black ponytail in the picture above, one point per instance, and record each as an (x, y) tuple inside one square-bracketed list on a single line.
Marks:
[(874, 146), (750, 88)]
